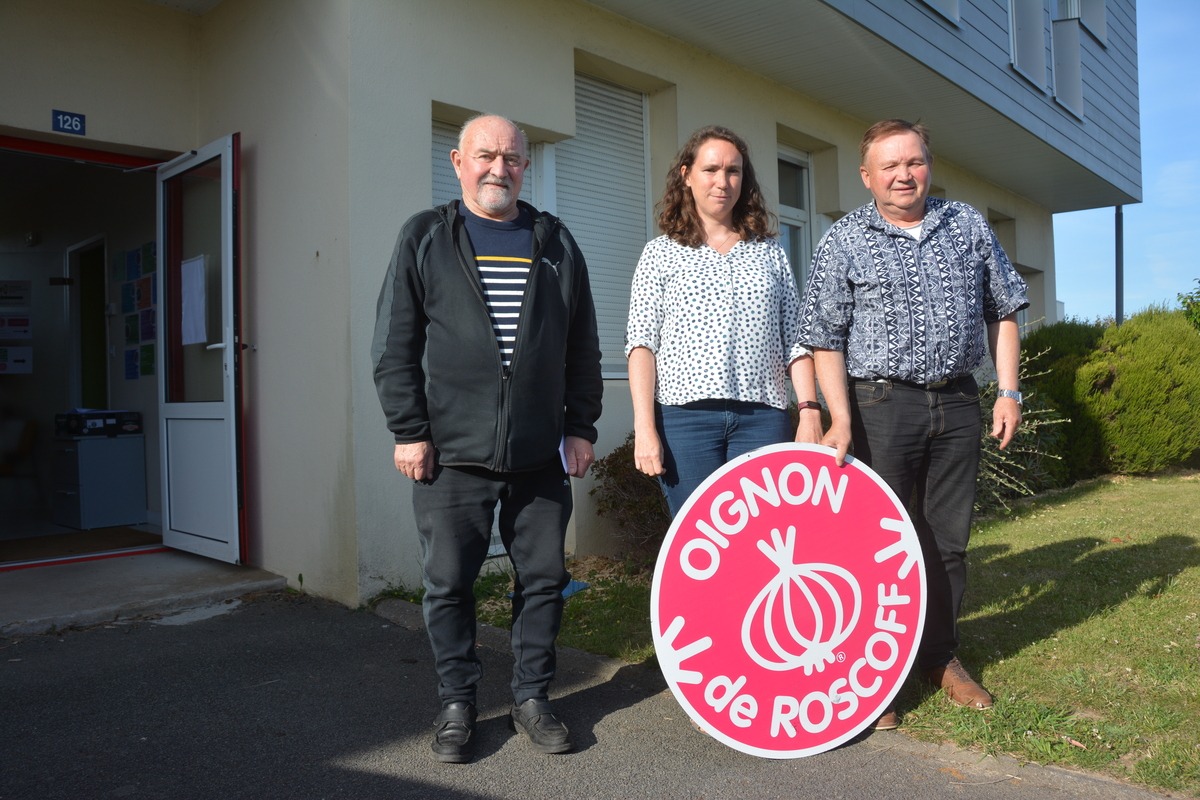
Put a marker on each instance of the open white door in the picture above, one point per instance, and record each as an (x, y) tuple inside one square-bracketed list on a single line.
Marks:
[(199, 352)]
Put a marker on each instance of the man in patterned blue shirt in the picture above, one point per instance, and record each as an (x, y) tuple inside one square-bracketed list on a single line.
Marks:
[(906, 294)]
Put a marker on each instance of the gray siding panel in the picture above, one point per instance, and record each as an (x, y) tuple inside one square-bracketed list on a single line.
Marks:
[(882, 58), (975, 55)]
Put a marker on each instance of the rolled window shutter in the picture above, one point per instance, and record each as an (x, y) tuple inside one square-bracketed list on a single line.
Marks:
[(601, 189)]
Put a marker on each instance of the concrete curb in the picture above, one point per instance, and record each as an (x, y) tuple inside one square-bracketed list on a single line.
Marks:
[(79, 595)]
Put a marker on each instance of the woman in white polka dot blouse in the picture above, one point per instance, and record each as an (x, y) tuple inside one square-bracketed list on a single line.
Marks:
[(713, 321)]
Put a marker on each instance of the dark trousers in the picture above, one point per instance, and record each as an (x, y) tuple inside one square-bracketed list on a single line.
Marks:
[(924, 443), (455, 512)]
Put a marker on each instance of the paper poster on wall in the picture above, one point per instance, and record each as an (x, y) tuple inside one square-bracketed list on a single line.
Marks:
[(149, 257), (131, 363), (146, 358), (193, 327), (133, 333), (16, 295), (15, 325), (133, 265), (16, 360), (16, 302), (128, 298), (149, 324), (145, 292)]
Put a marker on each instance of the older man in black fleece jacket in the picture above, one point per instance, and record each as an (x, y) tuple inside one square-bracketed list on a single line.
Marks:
[(487, 364)]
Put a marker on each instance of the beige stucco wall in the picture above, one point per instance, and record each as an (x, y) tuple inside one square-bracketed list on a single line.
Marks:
[(334, 100), (687, 88), (276, 70), (129, 66)]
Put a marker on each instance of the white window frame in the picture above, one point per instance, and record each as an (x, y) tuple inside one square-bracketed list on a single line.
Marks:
[(800, 218), (1091, 14)]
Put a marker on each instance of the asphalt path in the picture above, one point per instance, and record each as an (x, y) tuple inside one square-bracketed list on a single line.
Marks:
[(285, 696)]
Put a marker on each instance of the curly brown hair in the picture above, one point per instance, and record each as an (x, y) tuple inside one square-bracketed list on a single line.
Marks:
[(677, 215)]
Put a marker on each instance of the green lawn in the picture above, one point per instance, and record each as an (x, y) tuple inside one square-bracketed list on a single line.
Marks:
[(1081, 617)]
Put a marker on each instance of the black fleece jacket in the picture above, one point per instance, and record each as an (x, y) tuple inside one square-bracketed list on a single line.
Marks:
[(437, 365)]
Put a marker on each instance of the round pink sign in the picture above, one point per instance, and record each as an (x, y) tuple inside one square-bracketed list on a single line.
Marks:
[(788, 601)]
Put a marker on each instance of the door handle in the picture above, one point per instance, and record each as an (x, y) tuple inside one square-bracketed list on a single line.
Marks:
[(217, 346)]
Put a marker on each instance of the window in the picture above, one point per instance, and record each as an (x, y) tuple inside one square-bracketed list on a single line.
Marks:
[(1027, 20), (795, 211), (601, 192), (1092, 14)]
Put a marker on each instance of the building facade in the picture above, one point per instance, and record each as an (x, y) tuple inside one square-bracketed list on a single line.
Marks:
[(345, 112)]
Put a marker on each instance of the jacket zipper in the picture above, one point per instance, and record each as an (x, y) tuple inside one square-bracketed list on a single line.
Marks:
[(506, 372)]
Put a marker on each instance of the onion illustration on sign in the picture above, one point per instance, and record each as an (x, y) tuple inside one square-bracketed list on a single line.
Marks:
[(816, 646)]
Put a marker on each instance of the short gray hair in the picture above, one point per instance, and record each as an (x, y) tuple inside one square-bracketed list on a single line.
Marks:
[(462, 132)]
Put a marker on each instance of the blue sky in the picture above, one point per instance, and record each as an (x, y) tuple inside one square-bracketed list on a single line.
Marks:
[(1159, 263)]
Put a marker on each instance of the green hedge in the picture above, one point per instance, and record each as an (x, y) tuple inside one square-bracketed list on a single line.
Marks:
[(1054, 356), (1142, 387)]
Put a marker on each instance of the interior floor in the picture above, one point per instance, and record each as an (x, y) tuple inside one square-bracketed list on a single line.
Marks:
[(23, 523), (56, 542)]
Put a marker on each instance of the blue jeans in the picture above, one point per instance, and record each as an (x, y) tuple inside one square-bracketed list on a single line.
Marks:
[(924, 443), (454, 513), (697, 438)]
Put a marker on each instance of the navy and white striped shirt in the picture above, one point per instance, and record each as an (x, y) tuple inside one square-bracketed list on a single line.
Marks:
[(503, 256)]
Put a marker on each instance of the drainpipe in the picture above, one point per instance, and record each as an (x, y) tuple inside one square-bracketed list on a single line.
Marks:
[(1119, 225)]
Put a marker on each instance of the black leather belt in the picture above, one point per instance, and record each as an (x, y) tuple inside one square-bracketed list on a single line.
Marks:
[(942, 384)]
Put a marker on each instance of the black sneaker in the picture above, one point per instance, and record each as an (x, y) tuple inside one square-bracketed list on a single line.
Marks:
[(454, 733), (536, 720)]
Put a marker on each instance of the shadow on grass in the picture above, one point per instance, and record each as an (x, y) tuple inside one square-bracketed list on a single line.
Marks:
[(1048, 589)]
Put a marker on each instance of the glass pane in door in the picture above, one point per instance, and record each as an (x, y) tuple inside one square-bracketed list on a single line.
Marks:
[(192, 290)]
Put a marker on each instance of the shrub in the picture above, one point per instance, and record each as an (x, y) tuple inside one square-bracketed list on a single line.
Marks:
[(1054, 354), (632, 499), (1142, 386), (1031, 463), (1191, 305)]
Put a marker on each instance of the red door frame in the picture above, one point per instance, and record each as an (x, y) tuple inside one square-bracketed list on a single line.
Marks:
[(74, 153)]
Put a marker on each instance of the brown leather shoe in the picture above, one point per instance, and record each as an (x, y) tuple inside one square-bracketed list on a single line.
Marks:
[(959, 686), (889, 720)]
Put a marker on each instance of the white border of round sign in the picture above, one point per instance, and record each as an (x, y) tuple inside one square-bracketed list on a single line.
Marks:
[(793, 652)]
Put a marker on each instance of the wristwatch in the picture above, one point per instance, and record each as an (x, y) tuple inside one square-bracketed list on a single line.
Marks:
[(1013, 393)]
